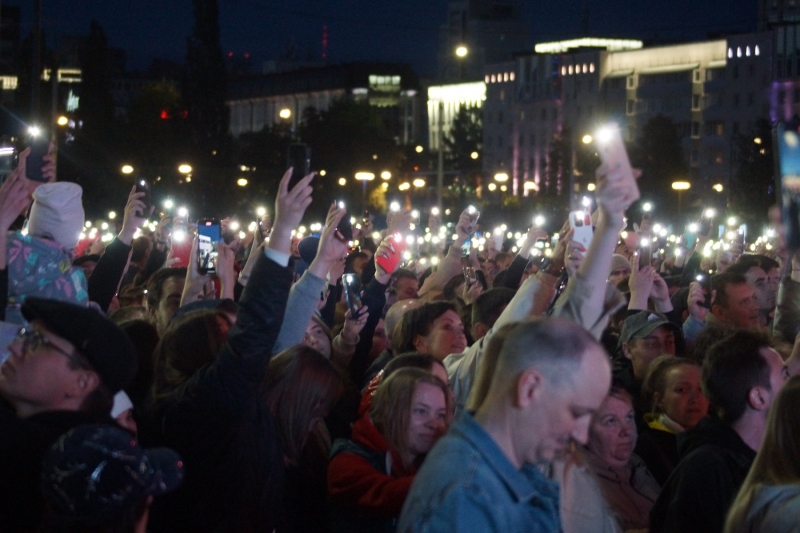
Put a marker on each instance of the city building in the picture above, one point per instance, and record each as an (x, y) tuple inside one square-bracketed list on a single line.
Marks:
[(260, 101), (444, 102)]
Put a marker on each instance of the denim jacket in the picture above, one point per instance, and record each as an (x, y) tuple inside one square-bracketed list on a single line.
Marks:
[(468, 484)]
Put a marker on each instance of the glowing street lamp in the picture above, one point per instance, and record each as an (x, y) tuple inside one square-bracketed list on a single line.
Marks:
[(404, 186), (127, 169), (718, 187), (365, 176), (285, 113), (112, 215), (681, 185), (501, 177), (419, 149), (386, 175), (591, 187), (587, 139), (419, 182), (168, 204), (241, 182), (492, 187), (474, 155), (62, 121), (342, 181), (462, 51), (34, 131), (185, 169), (261, 211)]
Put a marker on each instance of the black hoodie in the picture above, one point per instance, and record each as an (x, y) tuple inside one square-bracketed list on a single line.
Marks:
[(696, 497)]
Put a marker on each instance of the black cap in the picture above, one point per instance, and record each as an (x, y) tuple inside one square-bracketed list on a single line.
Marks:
[(95, 473), (307, 248), (78, 261), (107, 348)]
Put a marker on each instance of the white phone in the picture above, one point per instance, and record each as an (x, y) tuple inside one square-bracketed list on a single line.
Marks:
[(612, 153), (581, 222)]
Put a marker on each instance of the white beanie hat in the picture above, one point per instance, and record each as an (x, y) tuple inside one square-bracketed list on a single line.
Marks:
[(57, 213)]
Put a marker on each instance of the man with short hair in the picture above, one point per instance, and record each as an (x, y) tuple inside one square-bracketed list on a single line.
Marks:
[(164, 291), (741, 377), (757, 279), (487, 309), (733, 302), (550, 377), (393, 317), (405, 284), (63, 370)]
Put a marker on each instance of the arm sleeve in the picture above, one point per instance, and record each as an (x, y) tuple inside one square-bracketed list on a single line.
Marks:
[(374, 296), (328, 313), (514, 272), (573, 304), (154, 262), (787, 312), (692, 328), (104, 281), (300, 307), (352, 481), (449, 267), (688, 270)]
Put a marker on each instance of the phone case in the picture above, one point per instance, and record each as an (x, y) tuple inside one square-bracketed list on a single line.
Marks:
[(614, 156), (581, 222), (389, 264)]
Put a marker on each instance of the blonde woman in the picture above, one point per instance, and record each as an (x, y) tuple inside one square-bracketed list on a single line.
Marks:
[(769, 499)]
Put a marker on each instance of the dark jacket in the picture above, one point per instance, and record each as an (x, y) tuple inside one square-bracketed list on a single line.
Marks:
[(659, 451), (699, 492), (103, 283), (228, 440), (23, 443)]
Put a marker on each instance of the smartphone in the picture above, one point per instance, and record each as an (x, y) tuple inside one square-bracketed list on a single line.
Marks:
[(466, 248), (470, 278), (474, 215), (365, 218), (611, 150), (704, 225), (704, 279), (581, 222), (299, 159), (351, 291), (209, 234), (344, 230), (142, 185), (389, 264), (35, 162), (645, 252)]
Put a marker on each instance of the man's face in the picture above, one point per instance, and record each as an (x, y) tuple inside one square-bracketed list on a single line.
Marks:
[(38, 379), (563, 412), (618, 275), (168, 304), (641, 351), (406, 289), (758, 280), (742, 308)]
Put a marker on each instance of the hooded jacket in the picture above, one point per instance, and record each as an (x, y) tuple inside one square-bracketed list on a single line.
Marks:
[(696, 498), (367, 481), (38, 267), (774, 509)]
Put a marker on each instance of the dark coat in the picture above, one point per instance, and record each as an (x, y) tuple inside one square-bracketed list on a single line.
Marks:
[(701, 489), (228, 440), (659, 451)]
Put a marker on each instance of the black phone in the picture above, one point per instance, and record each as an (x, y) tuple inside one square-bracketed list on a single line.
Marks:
[(142, 185), (704, 225), (470, 278), (351, 285), (209, 234), (704, 279), (299, 160), (33, 166), (345, 227)]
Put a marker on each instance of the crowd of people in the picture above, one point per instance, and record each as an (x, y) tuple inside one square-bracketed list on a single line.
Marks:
[(595, 388)]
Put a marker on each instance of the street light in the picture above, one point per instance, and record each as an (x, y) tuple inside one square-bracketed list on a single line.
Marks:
[(34, 131), (62, 121), (386, 175), (757, 140), (185, 169), (501, 177), (587, 139), (322, 172), (462, 51), (365, 176), (241, 182), (492, 187), (419, 182), (591, 187), (261, 211), (112, 215), (285, 113), (474, 155), (718, 187), (419, 149), (404, 186), (342, 182), (127, 169), (681, 185)]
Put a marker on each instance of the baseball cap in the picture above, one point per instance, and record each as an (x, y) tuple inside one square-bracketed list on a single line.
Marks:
[(643, 324), (103, 343), (308, 248), (95, 473)]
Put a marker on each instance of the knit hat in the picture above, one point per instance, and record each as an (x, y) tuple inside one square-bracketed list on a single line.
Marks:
[(619, 261), (57, 213)]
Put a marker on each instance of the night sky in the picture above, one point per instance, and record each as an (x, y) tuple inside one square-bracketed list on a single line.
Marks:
[(388, 30)]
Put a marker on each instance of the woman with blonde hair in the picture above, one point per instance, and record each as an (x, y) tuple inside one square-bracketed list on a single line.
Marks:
[(769, 499), (369, 475)]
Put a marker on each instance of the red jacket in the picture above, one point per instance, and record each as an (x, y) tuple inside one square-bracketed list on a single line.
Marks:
[(353, 481)]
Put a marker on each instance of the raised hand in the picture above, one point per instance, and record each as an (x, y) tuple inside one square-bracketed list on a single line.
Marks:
[(290, 206), (135, 215), (330, 248)]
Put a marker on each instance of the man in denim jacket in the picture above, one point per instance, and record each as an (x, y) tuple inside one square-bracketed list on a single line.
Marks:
[(482, 475)]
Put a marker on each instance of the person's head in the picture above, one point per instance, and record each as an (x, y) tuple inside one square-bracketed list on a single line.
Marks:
[(189, 343), (96, 478), (87, 263), (423, 361), (620, 269), (487, 309), (502, 260), (405, 284), (723, 260), (356, 261), (70, 358), (453, 288), (742, 374), (164, 291), (395, 314), (612, 434), (300, 387), (778, 460), (140, 250), (735, 301), (434, 328), (128, 314), (57, 213), (766, 294), (549, 379), (645, 336), (318, 336), (672, 387), (379, 340), (410, 409)]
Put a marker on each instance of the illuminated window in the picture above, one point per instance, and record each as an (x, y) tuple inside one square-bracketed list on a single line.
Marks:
[(591, 67), (493, 78), (563, 71), (747, 51), (512, 76), (758, 52), (569, 69), (486, 79), (505, 76), (585, 68), (730, 53), (738, 51)]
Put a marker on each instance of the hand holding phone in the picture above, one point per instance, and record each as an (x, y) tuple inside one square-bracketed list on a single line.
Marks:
[(614, 157), (351, 294), (299, 160), (39, 146), (394, 252), (344, 231), (581, 223), (143, 186), (209, 234), (704, 279)]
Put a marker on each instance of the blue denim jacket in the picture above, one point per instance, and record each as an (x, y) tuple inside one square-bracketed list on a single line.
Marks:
[(468, 484)]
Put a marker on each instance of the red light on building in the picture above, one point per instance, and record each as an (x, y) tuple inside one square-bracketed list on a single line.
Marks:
[(164, 114)]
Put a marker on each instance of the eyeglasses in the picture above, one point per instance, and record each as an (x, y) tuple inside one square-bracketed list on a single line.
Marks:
[(33, 340)]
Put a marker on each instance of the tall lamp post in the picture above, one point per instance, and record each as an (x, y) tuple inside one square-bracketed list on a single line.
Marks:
[(681, 186), (364, 177)]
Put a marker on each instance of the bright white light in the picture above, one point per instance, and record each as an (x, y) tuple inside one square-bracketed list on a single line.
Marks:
[(112, 215), (127, 169), (261, 211), (732, 221), (710, 212), (693, 227), (183, 212), (179, 236), (234, 225), (34, 131), (169, 204), (394, 207), (435, 211), (104, 226), (88, 224), (251, 226), (415, 213), (185, 169), (647, 207), (242, 235), (604, 134), (538, 220), (586, 201)]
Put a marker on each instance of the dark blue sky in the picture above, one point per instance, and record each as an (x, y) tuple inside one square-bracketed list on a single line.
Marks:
[(390, 30)]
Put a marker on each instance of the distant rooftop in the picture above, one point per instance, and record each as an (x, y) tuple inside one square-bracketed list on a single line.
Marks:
[(612, 45)]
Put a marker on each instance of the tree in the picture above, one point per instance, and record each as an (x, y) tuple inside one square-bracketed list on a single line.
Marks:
[(752, 190), (96, 109), (463, 140), (205, 85)]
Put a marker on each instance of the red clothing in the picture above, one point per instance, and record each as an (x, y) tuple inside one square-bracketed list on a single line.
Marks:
[(354, 482), (369, 392)]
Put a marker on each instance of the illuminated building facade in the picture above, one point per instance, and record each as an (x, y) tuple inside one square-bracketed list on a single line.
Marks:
[(260, 101), (444, 102)]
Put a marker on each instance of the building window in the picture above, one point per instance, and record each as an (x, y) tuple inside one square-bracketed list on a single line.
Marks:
[(730, 53), (630, 108), (758, 52), (631, 82), (563, 71), (511, 76), (736, 100), (738, 51), (486, 79), (591, 67), (499, 117), (695, 102), (697, 77), (569, 69), (493, 78), (695, 129), (747, 51)]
